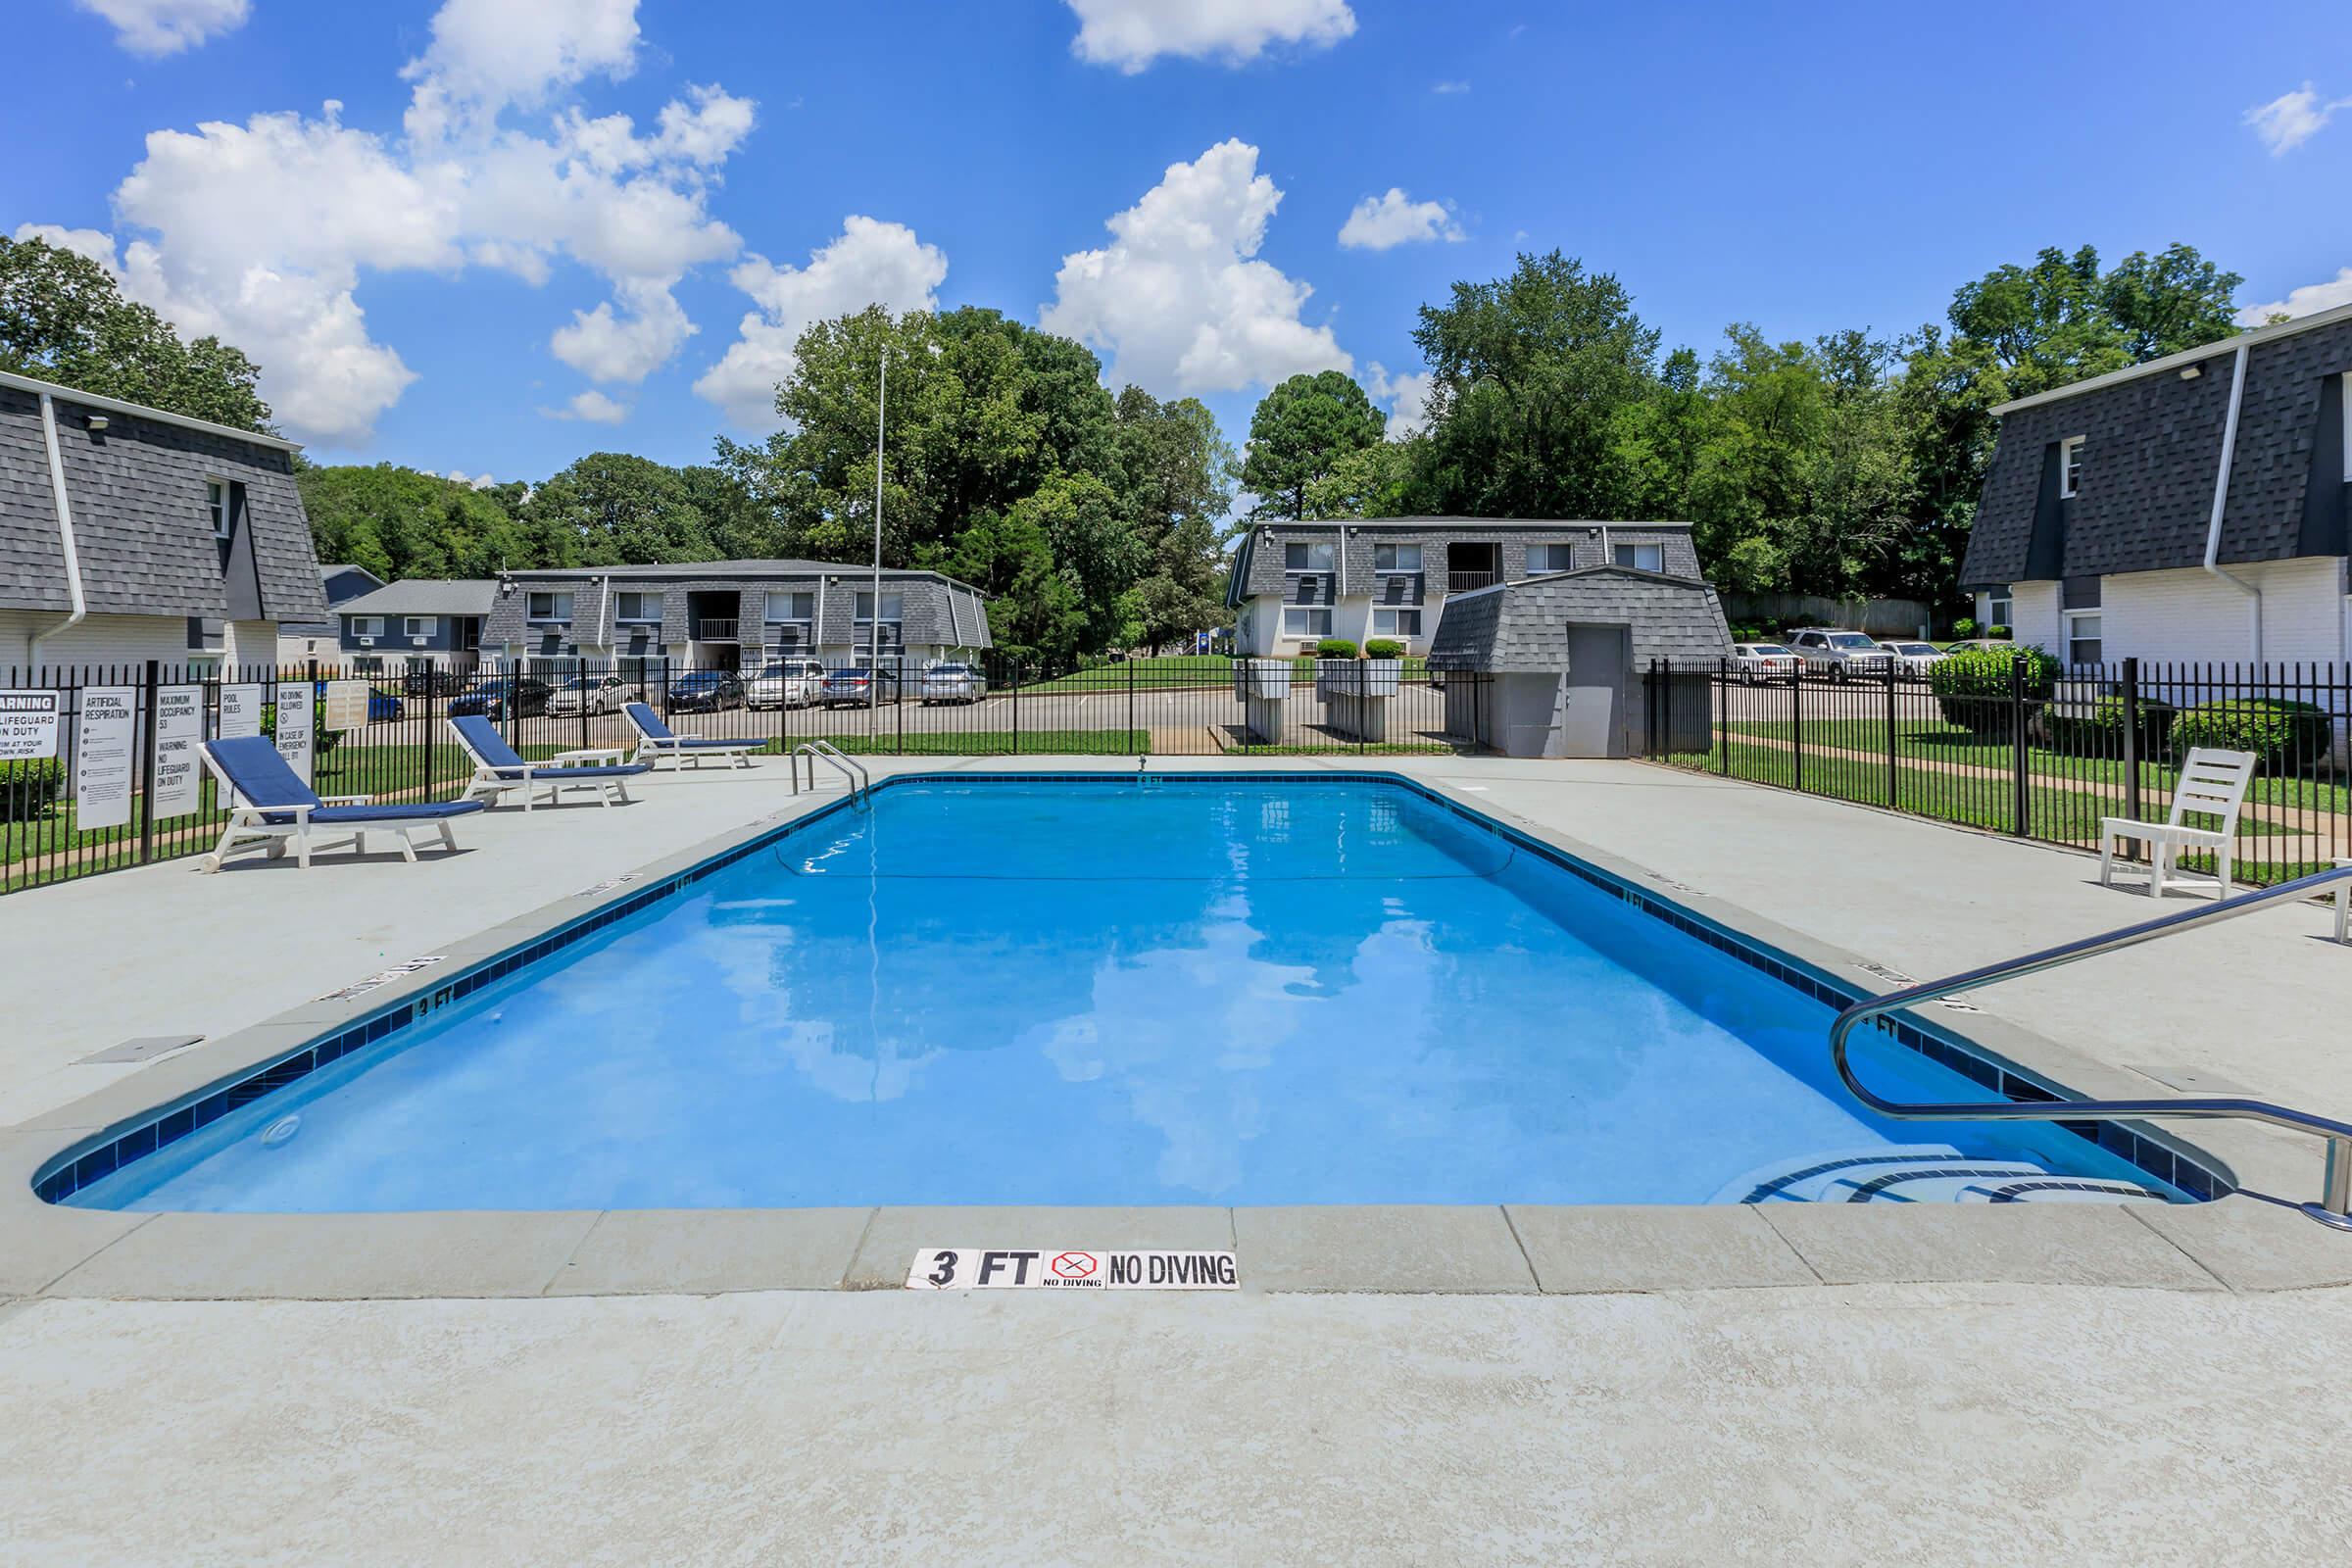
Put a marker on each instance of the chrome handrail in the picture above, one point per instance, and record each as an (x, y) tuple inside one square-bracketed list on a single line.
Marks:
[(2334, 1206), (861, 781)]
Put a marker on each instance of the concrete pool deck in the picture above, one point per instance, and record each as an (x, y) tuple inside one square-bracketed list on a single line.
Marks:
[(1376, 1426)]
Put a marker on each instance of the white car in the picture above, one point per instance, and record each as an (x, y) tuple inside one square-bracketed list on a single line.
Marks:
[(1761, 661), (786, 683), (949, 681), (592, 694), (1913, 660), (1827, 651)]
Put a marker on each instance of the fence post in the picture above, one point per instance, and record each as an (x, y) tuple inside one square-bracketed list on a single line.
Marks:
[(2131, 741), (2021, 801), (1796, 725), (1719, 715), (1895, 775), (579, 676), (665, 688), (1012, 668), (424, 739), (155, 680), (1130, 699)]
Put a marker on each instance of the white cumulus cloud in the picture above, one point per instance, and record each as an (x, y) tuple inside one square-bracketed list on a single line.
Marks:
[(2309, 299), (159, 27), (487, 55), (1383, 223), (1408, 398), (605, 347), (472, 482), (591, 406), (2292, 119), (1179, 300), (95, 244), (1132, 33), (870, 263)]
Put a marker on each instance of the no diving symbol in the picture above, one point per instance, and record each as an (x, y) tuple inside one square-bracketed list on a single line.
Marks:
[(1074, 1265)]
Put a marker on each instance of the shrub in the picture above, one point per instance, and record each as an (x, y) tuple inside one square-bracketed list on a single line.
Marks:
[(2099, 732), (28, 787), (1964, 629), (1384, 647), (1972, 688), (1999, 635), (1335, 647), (2284, 736)]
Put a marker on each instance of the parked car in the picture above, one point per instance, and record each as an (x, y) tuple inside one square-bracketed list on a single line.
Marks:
[(947, 682), (1913, 660), (381, 705), (431, 680), (494, 696), (593, 694), (1827, 651), (1761, 661), (858, 688), (1983, 645), (706, 690), (786, 683)]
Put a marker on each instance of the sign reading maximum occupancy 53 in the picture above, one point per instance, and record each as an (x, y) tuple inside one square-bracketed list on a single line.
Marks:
[(1070, 1269)]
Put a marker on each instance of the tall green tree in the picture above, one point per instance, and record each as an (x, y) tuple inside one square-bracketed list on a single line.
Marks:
[(398, 523), (614, 509), (63, 318), (1175, 482), (1302, 428)]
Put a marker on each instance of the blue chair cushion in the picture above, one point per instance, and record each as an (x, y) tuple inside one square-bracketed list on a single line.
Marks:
[(648, 721), (258, 775), (545, 775), (359, 816), (481, 737), (699, 745)]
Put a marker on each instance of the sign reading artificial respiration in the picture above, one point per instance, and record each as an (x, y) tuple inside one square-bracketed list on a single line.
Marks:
[(1075, 1268), (103, 739), (28, 725)]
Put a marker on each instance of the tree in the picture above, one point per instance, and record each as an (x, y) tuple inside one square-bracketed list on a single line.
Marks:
[(398, 523), (1536, 379), (63, 318), (1175, 474), (613, 508), (1374, 481), (1300, 428)]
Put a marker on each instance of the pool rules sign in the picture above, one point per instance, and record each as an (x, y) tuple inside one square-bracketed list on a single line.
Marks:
[(1069, 1268)]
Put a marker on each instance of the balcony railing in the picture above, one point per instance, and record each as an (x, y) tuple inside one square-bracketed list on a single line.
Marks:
[(1462, 582), (714, 632)]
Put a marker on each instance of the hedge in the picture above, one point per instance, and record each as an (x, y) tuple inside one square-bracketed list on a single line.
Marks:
[(2100, 732), (2284, 736), (1972, 688), (1335, 647), (1384, 647), (29, 786)]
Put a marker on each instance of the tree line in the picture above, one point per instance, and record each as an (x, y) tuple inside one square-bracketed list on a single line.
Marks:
[(1848, 465)]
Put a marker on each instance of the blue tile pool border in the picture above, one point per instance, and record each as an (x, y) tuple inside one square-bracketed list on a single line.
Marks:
[(81, 1164)]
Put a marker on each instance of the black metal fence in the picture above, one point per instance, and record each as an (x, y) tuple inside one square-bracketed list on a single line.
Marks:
[(90, 782), (2042, 760)]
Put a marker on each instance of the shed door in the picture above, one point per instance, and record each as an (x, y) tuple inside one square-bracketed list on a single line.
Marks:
[(1592, 695)]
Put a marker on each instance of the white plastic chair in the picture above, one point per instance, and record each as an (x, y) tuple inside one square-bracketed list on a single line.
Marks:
[(2213, 784)]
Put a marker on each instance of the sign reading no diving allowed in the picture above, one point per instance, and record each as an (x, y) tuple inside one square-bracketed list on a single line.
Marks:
[(1074, 1268)]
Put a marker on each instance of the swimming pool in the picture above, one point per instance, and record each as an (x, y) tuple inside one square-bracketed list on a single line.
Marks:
[(1105, 990)]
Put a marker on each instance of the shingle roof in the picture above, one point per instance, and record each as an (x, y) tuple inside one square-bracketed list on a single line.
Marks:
[(426, 595), (1523, 626)]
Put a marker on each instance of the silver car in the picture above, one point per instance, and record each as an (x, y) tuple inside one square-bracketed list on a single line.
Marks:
[(1913, 660), (1755, 662), (786, 683), (1829, 650), (948, 682), (593, 694)]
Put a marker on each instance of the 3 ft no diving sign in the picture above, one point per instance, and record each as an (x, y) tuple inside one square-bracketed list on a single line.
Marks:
[(1071, 1268)]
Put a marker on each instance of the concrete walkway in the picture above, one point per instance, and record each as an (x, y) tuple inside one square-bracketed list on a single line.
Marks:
[(1940, 1423)]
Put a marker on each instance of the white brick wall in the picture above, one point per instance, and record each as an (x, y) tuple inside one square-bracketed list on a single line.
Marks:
[(2036, 612), (2191, 616), (97, 640)]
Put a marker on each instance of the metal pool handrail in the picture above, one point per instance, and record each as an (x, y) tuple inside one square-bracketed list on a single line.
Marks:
[(859, 780), (2334, 1206)]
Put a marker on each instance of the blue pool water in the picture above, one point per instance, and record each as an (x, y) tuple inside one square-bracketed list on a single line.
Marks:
[(1014, 992)]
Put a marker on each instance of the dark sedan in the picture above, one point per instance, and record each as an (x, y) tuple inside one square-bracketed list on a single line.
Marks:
[(493, 696), (706, 690)]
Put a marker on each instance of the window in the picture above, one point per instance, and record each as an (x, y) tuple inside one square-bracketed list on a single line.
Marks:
[(1542, 559), (1309, 557), (216, 501), (549, 606), (421, 626), (2070, 465), (366, 625), (2082, 644), (642, 608), (1999, 608), (1298, 621), (894, 608), (1641, 558), (1397, 622), (1395, 558), (782, 607), (368, 664)]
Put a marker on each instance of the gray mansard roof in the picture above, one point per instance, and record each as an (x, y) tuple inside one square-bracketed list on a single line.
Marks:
[(1522, 628), (426, 595), (135, 488), (1258, 570), (2151, 449)]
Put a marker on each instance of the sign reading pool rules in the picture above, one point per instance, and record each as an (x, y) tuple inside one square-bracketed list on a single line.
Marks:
[(1047, 1268), (241, 712), (28, 725), (103, 739)]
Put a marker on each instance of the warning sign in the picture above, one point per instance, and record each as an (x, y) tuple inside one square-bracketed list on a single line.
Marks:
[(28, 725), (1069, 1268)]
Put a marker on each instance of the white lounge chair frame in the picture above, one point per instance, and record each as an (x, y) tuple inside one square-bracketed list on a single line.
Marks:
[(652, 749), (247, 828), (490, 782), (2213, 783)]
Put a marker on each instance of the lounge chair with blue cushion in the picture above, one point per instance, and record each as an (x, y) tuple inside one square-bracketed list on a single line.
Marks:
[(498, 768), (269, 802), (657, 740)]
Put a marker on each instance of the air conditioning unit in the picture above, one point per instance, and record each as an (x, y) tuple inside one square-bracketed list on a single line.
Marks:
[(366, 642), (418, 642)]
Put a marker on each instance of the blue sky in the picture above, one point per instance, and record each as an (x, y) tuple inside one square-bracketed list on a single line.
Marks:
[(473, 266)]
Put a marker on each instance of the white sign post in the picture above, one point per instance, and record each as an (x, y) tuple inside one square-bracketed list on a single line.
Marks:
[(103, 741), (297, 705), (28, 725), (241, 712), (178, 731)]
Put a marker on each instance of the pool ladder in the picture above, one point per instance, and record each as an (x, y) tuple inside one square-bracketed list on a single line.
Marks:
[(833, 755), (2334, 1205)]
